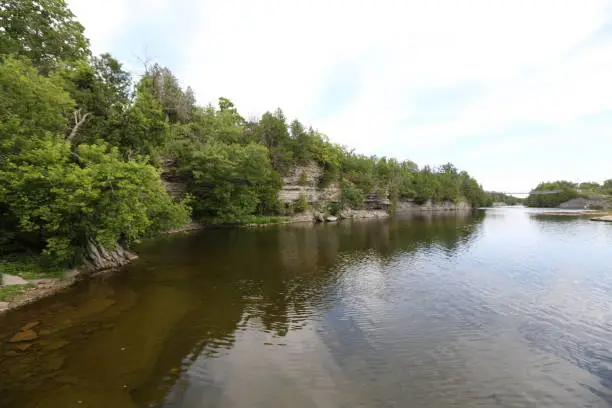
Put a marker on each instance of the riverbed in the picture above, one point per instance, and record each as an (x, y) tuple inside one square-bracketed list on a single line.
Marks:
[(493, 308)]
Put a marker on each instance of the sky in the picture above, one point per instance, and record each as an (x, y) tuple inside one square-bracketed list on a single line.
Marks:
[(514, 91)]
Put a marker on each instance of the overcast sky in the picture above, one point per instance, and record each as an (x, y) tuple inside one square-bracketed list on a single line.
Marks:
[(513, 91)]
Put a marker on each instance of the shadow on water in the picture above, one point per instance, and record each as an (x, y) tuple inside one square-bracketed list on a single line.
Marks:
[(125, 340)]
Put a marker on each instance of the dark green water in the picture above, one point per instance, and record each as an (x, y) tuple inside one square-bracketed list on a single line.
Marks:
[(494, 309)]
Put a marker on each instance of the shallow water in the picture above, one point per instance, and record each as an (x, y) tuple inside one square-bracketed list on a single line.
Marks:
[(500, 308)]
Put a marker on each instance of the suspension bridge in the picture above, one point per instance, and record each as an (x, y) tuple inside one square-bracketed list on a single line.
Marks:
[(534, 192)]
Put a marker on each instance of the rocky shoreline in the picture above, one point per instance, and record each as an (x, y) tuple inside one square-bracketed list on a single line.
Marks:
[(102, 261), (35, 289), (605, 218), (594, 214)]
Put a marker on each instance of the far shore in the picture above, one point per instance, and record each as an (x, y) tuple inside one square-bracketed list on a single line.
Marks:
[(595, 215)]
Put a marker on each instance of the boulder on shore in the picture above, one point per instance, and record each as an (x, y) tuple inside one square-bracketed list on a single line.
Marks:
[(12, 280), (605, 218), (318, 217), (331, 219)]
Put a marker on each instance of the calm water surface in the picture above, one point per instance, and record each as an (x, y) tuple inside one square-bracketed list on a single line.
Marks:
[(494, 309)]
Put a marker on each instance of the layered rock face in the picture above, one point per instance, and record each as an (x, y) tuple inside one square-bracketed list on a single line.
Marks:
[(99, 259), (410, 206), (586, 203), (303, 180), (177, 188)]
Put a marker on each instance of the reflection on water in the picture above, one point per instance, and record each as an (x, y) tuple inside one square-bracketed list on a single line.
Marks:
[(495, 309)]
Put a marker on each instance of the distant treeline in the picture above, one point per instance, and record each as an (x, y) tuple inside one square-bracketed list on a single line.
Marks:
[(567, 191), (494, 197), (82, 147)]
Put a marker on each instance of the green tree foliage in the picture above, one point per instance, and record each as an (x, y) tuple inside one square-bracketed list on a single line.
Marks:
[(142, 128), (565, 190), (44, 31), (82, 148), (177, 104), (607, 187), (55, 196), (301, 204), (230, 181), (494, 197), (272, 132), (352, 195), (62, 204)]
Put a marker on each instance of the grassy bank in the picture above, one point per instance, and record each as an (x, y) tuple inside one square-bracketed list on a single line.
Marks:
[(30, 267), (8, 293)]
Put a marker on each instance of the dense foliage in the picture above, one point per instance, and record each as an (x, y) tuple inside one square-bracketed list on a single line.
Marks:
[(494, 197), (82, 148), (562, 191)]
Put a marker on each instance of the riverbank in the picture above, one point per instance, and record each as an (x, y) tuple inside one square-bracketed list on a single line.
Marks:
[(605, 218), (575, 213), (602, 216), (25, 289), (26, 284)]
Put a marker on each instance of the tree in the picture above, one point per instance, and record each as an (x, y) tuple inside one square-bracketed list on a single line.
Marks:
[(44, 31), (229, 182), (30, 104), (561, 191), (102, 90), (164, 86), (142, 128), (272, 132), (101, 199), (58, 198)]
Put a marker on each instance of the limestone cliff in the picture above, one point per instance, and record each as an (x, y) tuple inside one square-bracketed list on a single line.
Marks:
[(411, 206), (304, 180), (177, 188)]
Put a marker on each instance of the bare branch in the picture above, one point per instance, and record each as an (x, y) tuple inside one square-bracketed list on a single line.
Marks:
[(78, 122)]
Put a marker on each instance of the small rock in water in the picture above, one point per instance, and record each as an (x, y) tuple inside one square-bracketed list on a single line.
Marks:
[(29, 326), (23, 346), (332, 219), (56, 345), (23, 336)]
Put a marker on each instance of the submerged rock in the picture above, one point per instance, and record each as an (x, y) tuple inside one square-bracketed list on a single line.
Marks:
[(55, 345), (29, 326), (23, 346), (23, 336)]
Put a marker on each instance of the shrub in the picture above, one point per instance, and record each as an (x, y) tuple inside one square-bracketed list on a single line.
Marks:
[(301, 204)]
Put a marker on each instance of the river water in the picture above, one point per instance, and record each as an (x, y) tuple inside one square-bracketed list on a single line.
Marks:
[(498, 308)]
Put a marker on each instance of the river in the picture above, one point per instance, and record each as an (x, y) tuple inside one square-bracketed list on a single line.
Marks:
[(497, 308)]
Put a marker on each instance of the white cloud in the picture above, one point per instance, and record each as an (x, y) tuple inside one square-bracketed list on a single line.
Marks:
[(106, 21), (526, 58)]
